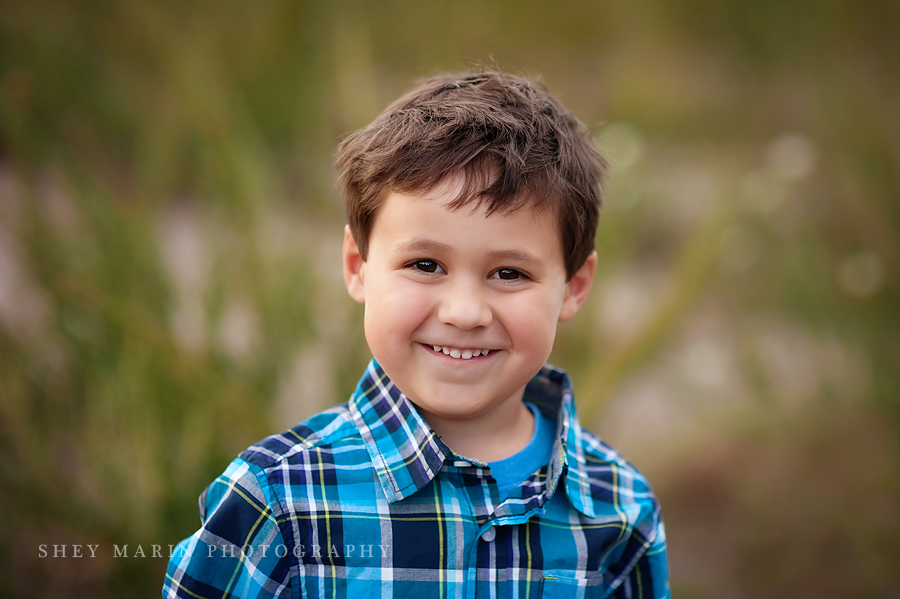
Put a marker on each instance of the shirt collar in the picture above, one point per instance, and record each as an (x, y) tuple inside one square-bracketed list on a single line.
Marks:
[(551, 391), (407, 454)]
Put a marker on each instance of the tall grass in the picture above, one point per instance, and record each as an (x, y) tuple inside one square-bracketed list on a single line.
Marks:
[(170, 285)]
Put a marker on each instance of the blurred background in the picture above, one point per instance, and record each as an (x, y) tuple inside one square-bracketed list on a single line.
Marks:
[(170, 287)]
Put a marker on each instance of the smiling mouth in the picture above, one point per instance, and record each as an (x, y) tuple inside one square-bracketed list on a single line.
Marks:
[(459, 354)]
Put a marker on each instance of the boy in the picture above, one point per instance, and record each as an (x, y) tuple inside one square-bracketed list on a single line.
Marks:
[(458, 468)]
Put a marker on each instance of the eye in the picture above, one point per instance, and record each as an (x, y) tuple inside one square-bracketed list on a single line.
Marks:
[(429, 266), (509, 274)]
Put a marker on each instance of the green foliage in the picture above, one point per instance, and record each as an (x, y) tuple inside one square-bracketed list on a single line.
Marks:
[(169, 257)]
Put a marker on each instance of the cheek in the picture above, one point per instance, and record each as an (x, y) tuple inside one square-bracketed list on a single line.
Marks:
[(531, 322), (395, 311)]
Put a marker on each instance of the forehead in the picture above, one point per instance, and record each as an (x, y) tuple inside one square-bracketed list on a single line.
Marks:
[(430, 220), (462, 191)]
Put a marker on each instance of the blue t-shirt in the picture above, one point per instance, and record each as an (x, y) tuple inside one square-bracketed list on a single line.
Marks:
[(513, 471)]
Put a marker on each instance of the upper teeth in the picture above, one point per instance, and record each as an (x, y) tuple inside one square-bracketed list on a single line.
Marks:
[(465, 354)]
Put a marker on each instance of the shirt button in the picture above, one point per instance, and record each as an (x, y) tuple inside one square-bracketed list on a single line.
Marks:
[(489, 535)]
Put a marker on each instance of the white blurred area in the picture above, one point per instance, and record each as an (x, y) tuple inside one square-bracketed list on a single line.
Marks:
[(720, 362)]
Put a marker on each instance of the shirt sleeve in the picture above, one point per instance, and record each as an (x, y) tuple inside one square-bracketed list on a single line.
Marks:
[(239, 550), (649, 578)]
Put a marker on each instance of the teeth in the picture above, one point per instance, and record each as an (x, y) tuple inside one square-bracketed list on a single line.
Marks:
[(465, 354)]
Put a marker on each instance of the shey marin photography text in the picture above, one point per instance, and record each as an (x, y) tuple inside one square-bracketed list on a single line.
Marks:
[(225, 550)]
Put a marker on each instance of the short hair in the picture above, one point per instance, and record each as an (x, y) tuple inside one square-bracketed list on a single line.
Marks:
[(513, 143)]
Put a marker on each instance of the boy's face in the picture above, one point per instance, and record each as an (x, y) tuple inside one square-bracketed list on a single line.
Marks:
[(487, 289)]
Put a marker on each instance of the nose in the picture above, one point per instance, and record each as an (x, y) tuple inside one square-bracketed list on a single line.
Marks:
[(465, 306)]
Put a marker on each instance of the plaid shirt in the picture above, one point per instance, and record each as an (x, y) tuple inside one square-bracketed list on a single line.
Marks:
[(365, 500)]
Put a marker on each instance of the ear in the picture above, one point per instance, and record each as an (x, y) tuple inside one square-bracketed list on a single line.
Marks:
[(578, 287), (353, 268)]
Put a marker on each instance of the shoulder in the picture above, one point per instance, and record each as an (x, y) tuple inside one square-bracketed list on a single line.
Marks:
[(615, 490), (255, 470), (320, 432), (608, 471), (600, 456)]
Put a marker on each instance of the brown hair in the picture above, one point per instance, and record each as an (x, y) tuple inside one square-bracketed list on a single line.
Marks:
[(512, 142)]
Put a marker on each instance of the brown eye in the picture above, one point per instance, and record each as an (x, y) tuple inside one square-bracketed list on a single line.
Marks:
[(508, 274), (427, 265)]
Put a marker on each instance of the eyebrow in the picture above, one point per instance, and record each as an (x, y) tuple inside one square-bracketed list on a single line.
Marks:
[(429, 246), (420, 245), (515, 256)]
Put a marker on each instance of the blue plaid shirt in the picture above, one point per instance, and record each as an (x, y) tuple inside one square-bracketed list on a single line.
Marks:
[(365, 500)]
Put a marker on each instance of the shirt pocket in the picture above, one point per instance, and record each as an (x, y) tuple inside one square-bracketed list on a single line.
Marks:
[(555, 587)]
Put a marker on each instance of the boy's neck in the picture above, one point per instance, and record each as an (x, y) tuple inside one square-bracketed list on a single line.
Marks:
[(495, 436)]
